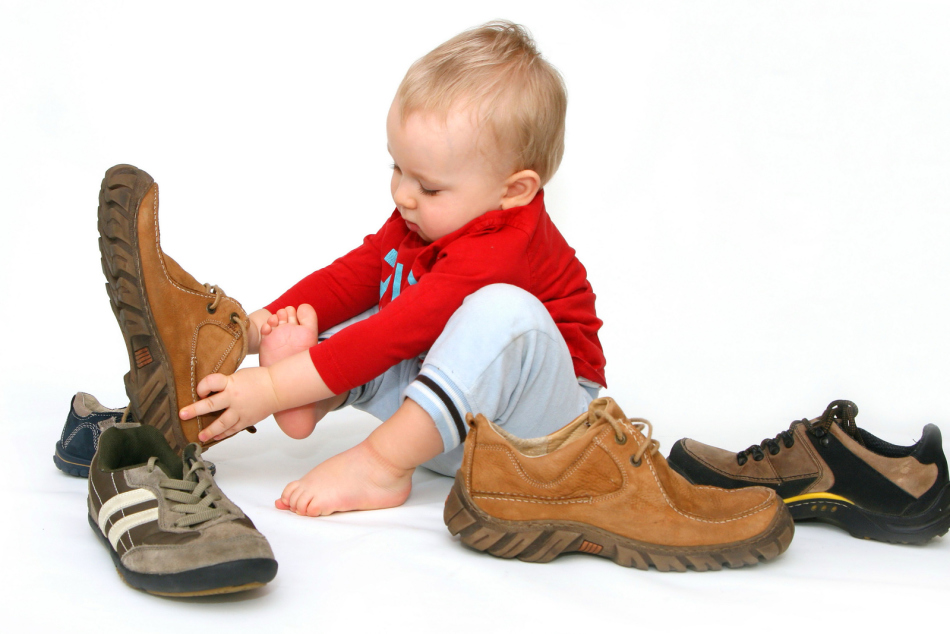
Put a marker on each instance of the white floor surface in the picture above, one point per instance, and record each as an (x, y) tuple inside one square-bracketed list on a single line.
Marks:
[(760, 192)]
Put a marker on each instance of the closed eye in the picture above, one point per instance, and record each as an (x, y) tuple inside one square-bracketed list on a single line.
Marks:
[(427, 192)]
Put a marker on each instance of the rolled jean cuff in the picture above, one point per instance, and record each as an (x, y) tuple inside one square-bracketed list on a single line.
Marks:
[(442, 400)]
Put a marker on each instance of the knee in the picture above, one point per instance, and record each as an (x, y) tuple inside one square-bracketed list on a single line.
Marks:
[(507, 307)]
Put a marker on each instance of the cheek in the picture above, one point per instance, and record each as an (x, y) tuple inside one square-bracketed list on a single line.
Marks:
[(393, 183)]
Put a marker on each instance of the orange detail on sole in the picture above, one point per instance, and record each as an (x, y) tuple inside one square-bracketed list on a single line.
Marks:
[(142, 357)]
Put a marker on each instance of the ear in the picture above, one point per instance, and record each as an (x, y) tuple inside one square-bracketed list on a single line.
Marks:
[(520, 189)]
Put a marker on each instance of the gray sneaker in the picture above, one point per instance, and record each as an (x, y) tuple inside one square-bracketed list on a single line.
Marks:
[(169, 528)]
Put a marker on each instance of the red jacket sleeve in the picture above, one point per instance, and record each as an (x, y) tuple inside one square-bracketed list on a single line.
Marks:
[(410, 324), (345, 288)]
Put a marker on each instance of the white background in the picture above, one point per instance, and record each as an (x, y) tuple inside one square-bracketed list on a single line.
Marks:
[(760, 192)]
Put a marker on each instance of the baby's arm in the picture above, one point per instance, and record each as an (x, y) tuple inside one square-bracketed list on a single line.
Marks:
[(252, 394)]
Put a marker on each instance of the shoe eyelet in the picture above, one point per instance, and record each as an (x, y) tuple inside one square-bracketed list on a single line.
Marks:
[(825, 441), (210, 309), (235, 318), (635, 463), (774, 450), (621, 440), (742, 460)]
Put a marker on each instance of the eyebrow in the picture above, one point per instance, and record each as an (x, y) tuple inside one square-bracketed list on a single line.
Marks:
[(417, 175)]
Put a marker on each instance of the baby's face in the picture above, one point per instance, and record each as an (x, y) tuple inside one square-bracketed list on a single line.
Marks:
[(442, 176)]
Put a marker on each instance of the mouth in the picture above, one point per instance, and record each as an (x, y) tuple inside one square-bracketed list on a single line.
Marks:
[(412, 226)]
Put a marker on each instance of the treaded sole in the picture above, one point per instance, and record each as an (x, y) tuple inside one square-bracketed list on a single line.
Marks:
[(225, 578), (150, 388), (540, 541), (69, 464), (865, 524)]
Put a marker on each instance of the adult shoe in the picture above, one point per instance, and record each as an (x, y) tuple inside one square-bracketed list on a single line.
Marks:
[(176, 329), (829, 470), (168, 527), (600, 486)]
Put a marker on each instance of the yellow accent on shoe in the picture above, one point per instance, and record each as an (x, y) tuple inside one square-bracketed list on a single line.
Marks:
[(817, 496)]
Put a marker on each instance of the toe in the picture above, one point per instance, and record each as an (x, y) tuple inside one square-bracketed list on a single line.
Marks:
[(307, 316)]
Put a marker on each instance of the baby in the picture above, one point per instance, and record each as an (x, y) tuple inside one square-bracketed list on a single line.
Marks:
[(468, 299)]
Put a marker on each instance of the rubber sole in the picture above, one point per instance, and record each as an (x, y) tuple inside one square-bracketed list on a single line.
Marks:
[(865, 524), (70, 464), (225, 578), (150, 386), (542, 541)]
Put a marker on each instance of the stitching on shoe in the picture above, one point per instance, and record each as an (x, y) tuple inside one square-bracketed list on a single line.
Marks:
[(755, 510), (77, 429), (574, 466), (727, 473), (161, 256), (194, 363)]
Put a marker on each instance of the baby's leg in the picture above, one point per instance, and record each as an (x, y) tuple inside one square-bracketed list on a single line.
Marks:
[(500, 355), (375, 474), (287, 332)]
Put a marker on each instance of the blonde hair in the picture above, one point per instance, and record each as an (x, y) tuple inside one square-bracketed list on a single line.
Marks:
[(497, 69)]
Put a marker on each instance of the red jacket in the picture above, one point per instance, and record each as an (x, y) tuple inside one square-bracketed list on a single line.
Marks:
[(419, 285)]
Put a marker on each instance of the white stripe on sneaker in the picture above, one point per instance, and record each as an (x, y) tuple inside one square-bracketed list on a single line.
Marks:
[(122, 501), (126, 524)]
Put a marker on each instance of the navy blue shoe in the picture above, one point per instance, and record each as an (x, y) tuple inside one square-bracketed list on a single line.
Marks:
[(87, 419)]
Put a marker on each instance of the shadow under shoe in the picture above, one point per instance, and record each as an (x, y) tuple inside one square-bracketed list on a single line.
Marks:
[(829, 470), (176, 329), (600, 486)]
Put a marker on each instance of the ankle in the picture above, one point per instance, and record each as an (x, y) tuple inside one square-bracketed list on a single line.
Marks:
[(392, 465)]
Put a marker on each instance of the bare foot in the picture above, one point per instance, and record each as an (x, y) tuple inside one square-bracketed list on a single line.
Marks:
[(287, 332), (357, 479)]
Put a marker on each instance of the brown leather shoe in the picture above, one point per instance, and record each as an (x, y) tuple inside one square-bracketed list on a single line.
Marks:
[(177, 330), (600, 486)]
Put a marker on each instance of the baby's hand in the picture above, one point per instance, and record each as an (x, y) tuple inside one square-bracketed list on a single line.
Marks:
[(247, 397)]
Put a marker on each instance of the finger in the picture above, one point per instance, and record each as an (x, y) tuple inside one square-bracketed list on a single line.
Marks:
[(216, 429), (202, 407), (280, 505), (211, 383)]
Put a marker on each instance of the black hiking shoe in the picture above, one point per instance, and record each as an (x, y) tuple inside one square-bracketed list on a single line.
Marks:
[(829, 470)]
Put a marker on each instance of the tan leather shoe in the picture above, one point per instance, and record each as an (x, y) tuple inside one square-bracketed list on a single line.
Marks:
[(177, 330), (600, 486)]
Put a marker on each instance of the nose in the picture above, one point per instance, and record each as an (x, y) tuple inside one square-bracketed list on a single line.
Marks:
[(402, 192)]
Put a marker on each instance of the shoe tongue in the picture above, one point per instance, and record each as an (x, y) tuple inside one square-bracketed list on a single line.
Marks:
[(191, 455), (603, 404)]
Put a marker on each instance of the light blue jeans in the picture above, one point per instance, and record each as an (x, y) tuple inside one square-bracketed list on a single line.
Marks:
[(500, 355)]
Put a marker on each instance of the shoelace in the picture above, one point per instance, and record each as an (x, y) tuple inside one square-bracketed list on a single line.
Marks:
[(191, 493), (621, 437), (841, 412), (219, 294)]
